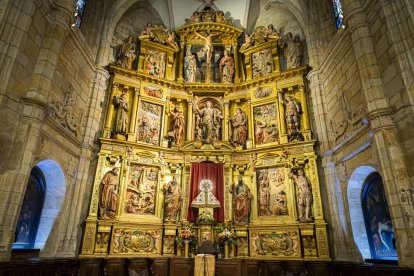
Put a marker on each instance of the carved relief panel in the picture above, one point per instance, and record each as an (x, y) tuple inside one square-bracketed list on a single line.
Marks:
[(141, 192), (149, 123), (266, 129)]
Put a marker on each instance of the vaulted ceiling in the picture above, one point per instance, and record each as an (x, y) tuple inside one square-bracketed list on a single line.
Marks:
[(243, 12)]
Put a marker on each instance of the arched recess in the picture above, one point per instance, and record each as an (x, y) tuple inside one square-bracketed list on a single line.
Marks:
[(381, 236), (286, 16), (28, 221), (54, 197), (354, 194)]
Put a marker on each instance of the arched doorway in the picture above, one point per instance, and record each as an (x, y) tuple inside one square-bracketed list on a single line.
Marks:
[(28, 222), (380, 234)]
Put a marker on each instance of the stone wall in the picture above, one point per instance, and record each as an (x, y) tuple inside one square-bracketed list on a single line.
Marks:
[(362, 106)]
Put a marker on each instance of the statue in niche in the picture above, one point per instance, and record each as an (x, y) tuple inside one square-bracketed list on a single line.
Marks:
[(121, 103), (292, 50), (109, 194), (241, 202), (292, 113), (226, 68), (127, 55), (190, 67), (208, 44), (208, 123), (172, 200), (177, 125), (238, 123), (303, 194)]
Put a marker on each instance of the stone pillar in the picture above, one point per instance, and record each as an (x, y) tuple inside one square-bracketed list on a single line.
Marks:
[(190, 127), (31, 114), (385, 137), (134, 110), (81, 187), (57, 30)]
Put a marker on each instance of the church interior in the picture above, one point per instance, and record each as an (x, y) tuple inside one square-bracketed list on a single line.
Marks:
[(206, 137)]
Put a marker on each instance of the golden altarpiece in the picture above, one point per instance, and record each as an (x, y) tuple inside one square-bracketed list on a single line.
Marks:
[(196, 96)]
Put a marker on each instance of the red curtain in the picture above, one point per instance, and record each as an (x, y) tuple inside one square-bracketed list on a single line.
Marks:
[(215, 173)]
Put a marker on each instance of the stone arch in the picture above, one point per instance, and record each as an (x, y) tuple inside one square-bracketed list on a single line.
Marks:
[(53, 202), (133, 16), (354, 192), (286, 16)]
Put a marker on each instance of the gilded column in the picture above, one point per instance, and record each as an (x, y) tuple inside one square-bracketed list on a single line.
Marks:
[(167, 117), (281, 113), (236, 64), (190, 131), (226, 119), (180, 63), (110, 112), (134, 110), (250, 131), (304, 108)]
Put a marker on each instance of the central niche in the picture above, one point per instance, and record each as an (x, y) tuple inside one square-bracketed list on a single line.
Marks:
[(208, 112), (203, 66)]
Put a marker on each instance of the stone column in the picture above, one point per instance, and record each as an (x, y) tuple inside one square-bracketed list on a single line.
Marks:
[(385, 137), (81, 187), (31, 111)]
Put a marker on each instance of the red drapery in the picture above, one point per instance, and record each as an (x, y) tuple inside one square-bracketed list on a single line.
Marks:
[(215, 173)]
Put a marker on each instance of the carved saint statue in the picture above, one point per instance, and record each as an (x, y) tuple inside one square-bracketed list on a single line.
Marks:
[(264, 195), (109, 194), (272, 32), (190, 67), (121, 123), (292, 115), (241, 202), (226, 68), (208, 121), (248, 41), (238, 125), (292, 50), (172, 200), (177, 125), (126, 55), (170, 40), (303, 194)]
